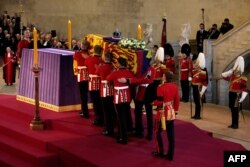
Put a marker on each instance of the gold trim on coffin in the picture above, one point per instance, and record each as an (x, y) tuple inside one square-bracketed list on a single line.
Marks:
[(51, 106)]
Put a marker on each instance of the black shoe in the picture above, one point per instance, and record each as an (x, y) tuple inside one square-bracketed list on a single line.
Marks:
[(107, 133), (121, 141), (158, 154), (84, 115), (138, 134), (193, 117), (149, 137), (97, 123), (233, 126), (197, 117), (169, 157)]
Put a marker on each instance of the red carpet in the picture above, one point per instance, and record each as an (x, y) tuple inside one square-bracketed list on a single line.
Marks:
[(71, 141)]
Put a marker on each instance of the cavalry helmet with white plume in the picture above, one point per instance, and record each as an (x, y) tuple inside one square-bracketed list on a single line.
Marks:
[(200, 61), (159, 56), (239, 65)]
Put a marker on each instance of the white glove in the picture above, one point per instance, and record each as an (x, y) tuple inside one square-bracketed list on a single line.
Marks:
[(243, 96), (190, 79), (227, 73), (203, 89)]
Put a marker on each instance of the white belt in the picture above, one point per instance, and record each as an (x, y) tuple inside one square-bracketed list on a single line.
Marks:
[(184, 69), (81, 67), (104, 81), (120, 87), (144, 85), (93, 76)]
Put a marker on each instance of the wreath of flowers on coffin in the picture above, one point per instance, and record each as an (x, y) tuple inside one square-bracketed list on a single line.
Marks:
[(132, 43)]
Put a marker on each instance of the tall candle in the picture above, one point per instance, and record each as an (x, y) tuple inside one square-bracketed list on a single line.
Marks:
[(139, 32), (35, 47), (69, 34)]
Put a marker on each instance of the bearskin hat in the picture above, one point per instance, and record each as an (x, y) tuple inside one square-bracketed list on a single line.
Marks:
[(239, 65), (185, 49), (168, 49), (159, 56)]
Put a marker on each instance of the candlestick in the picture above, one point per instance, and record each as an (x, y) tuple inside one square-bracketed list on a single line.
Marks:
[(69, 34), (35, 47), (139, 32)]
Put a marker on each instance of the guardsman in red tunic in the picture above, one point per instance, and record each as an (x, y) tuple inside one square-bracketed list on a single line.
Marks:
[(81, 71), (122, 98), (142, 83), (237, 89), (185, 66), (92, 62), (107, 94), (9, 69), (199, 83), (169, 57), (167, 103), (150, 93), (24, 43)]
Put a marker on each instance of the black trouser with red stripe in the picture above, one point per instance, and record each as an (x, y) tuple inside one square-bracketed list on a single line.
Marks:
[(197, 100), (170, 135), (83, 87), (138, 117), (149, 97), (109, 113), (234, 109), (95, 96), (123, 118)]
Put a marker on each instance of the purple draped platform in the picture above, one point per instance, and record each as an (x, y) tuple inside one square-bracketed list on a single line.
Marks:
[(58, 88)]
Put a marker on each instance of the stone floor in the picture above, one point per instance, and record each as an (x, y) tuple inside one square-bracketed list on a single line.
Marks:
[(215, 118)]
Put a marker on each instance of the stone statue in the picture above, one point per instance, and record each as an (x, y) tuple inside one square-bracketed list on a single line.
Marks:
[(185, 33), (148, 34)]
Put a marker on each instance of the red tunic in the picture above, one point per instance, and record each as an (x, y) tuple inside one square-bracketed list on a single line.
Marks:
[(79, 58), (94, 80), (170, 64), (8, 70), (21, 44), (159, 71), (170, 100), (106, 89), (199, 77), (104, 70), (237, 83), (80, 70), (143, 82), (92, 63), (121, 90), (185, 66)]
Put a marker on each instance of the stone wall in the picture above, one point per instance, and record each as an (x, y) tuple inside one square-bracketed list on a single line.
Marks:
[(104, 16)]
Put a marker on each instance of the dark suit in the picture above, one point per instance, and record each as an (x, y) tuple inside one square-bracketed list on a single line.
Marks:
[(200, 36)]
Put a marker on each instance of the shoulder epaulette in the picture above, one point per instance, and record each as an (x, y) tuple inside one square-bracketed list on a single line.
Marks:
[(244, 78)]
